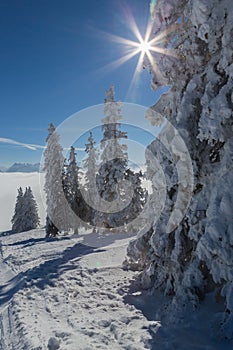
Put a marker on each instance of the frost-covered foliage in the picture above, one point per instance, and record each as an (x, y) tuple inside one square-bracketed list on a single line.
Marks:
[(26, 213), (197, 256)]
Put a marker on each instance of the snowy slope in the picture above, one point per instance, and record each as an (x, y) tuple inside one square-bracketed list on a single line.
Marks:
[(9, 182), (71, 293)]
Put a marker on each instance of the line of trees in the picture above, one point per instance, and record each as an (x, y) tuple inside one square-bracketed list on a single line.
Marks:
[(71, 202)]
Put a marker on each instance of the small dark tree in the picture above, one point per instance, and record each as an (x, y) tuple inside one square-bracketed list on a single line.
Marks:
[(51, 229)]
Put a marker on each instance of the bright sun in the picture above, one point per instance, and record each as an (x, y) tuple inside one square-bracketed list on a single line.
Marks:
[(143, 46)]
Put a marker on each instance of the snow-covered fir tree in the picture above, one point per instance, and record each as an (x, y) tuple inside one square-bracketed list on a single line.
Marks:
[(139, 196), (17, 219), (31, 217), (26, 213), (111, 143), (90, 165), (57, 206), (114, 158), (196, 257), (71, 187)]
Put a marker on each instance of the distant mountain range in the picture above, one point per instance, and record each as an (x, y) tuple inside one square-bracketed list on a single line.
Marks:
[(21, 168), (31, 168)]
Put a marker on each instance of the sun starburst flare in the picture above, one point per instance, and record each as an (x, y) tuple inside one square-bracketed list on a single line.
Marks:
[(144, 47)]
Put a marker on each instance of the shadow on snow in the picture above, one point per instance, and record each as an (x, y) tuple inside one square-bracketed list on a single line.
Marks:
[(31, 241), (187, 332), (46, 273)]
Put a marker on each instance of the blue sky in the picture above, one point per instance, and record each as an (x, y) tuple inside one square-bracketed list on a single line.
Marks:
[(52, 59)]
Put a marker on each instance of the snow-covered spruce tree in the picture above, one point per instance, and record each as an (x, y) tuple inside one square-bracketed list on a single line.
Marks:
[(90, 169), (198, 255), (114, 157), (57, 206), (26, 214), (17, 219), (139, 196), (31, 218), (72, 192)]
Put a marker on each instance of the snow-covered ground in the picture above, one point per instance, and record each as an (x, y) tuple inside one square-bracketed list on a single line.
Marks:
[(9, 183), (71, 289), (71, 293)]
